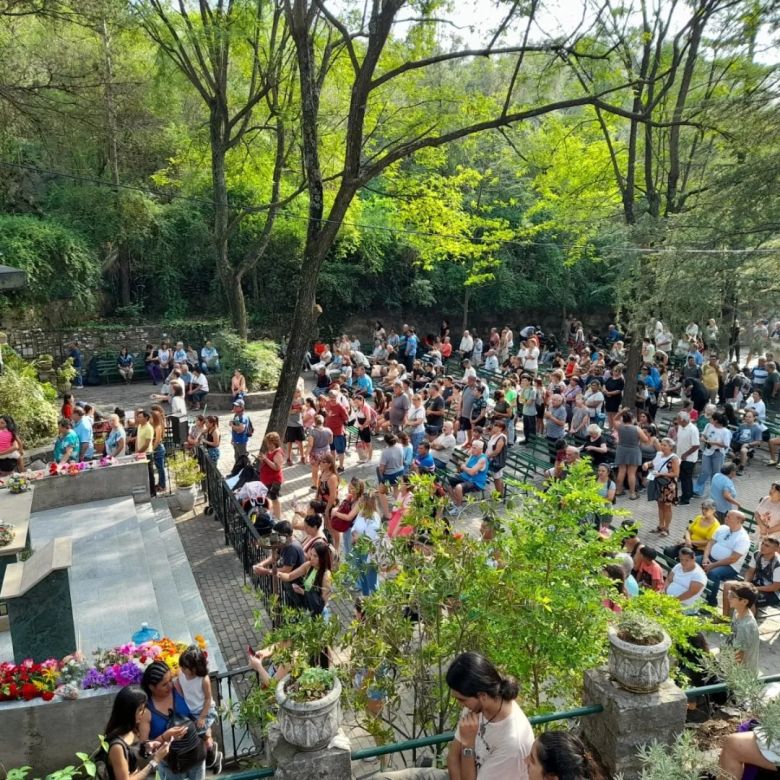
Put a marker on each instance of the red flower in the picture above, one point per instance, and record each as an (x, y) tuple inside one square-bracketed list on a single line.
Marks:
[(47, 695), (142, 659), (29, 691), (13, 691)]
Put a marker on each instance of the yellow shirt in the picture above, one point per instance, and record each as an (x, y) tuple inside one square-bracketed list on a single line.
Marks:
[(709, 377), (144, 438), (700, 534)]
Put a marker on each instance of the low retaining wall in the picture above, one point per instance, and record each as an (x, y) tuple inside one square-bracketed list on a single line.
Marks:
[(261, 400), (46, 735), (125, 479)]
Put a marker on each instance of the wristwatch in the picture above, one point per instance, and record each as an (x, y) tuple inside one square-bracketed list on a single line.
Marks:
[(468, 752), (152, 765)]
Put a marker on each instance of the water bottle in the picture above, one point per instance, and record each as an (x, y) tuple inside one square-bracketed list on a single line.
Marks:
[(146, 634)]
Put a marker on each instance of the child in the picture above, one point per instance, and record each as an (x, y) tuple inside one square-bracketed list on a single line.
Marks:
[(744, 628), (194, 685)]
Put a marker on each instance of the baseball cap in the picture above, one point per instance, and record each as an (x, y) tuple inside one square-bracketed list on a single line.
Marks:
[(239, 402)]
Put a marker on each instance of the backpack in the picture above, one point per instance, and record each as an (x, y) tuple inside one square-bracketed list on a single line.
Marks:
[(250, 429), (187, 752), (99, 758)]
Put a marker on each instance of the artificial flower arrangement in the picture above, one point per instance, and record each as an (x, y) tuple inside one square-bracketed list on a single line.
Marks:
[(120, 666), (7, 534), (18, 483)]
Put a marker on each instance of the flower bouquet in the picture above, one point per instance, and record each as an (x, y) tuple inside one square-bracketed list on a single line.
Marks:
[(28, 680), (7, 534), (17, 483)]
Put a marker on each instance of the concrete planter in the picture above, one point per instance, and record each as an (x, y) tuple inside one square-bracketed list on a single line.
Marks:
[(638, 668), (186, 497), (309, 725)]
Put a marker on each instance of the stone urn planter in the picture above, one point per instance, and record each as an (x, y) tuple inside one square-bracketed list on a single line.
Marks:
[(639, 668), (309, 725), (185, 496)]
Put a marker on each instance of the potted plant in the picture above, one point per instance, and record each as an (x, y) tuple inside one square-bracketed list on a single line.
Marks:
[(309, 707), (638, 653), (187, 475), (66, 373)]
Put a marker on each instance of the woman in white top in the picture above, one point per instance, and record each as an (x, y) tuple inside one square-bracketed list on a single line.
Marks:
[(415, 422), (664, 470), (531, 361), (178, 405), (366, 526), (715, 440), (116, 441)]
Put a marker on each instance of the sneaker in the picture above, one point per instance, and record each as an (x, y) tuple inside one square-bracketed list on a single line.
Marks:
[(216, 767), (773, 463)]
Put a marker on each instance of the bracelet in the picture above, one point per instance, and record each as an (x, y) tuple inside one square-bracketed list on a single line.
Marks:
[(152, 766)]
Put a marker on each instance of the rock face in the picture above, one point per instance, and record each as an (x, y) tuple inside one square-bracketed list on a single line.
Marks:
[(309, 725), (638, 668), (630, 720)]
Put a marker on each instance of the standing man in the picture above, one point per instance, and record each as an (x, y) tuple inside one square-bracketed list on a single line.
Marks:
[(688, 452), (336, 418), (410, 349), (82, 427), (78, 361), (468, 398), (554, 423), (493, 736), (240, 430)]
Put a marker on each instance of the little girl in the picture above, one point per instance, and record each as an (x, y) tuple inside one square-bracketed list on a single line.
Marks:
[(195, 686)]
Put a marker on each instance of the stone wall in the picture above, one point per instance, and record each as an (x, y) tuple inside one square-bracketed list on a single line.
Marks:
[(30, 343)]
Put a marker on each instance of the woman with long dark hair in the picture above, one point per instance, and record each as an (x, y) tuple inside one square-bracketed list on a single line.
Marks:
[(559, 755), (317, 575), (11, 447), (122, 737), (493, 736)]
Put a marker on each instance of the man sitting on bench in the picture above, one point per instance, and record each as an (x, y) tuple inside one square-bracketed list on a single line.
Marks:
[(764, 574), (473, 474)]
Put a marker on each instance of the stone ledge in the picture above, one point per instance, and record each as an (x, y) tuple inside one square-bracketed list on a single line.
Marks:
[(259, 401)]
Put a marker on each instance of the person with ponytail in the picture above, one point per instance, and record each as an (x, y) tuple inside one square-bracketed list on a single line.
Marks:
[(559, 755), (493, 738)]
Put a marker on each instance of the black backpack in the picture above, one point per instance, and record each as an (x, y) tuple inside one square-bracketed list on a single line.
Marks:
[(187, 752), (99, 758)]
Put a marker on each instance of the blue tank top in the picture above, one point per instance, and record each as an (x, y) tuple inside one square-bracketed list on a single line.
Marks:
[(159, 721)]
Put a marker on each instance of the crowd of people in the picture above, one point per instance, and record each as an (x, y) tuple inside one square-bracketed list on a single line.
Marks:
[(420, 405)]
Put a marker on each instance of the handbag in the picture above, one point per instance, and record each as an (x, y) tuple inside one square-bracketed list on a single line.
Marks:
[(189, 750), (657, 483), (338, 523)]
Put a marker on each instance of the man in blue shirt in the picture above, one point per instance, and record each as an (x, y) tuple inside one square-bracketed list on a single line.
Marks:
[(613, 335), (75, 354), (410, 349), (423, 463), (362, 381), (473, 474), (239, 430), (698, 358), (82, 427), (723, 491)]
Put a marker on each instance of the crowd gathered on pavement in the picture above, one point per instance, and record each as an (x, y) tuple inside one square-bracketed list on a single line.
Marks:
[(457, 409)]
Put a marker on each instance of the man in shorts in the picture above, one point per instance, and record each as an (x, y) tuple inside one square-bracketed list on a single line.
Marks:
[(336, 419), (473, 475), (468, 398)]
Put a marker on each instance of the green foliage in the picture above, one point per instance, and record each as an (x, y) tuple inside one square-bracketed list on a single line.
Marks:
[(635, 628), (312, 684), (60, 265), (29, 402), (258, 360), (683, 760), (185, 470)]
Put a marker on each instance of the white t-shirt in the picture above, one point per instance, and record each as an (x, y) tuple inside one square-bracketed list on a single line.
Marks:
[(415, 419), (502, 746), (688, 437), (726, 542), (721, 435), (591, 396), (683, 580), (531, 362), (201, 382), (470, 371)]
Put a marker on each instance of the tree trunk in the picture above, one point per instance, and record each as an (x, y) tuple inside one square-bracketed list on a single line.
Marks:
[(231, 283), (466, 292), (123, 260), (632, 368), (301, 330)]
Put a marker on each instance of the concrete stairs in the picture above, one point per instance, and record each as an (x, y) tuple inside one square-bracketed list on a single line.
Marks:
[(129, 568)]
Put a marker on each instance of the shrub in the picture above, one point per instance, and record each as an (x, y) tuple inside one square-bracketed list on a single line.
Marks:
[(258, 360), (29, 402)]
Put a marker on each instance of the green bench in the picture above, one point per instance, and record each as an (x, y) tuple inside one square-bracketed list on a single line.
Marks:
[(108, 371)]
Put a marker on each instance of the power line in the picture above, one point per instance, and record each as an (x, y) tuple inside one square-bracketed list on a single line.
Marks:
[(625, 248)]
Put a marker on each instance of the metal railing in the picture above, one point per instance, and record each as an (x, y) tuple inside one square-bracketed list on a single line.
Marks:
[(441, 739)]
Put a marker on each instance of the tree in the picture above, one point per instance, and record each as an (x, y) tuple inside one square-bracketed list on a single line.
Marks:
[(211, 48), (377, 138)]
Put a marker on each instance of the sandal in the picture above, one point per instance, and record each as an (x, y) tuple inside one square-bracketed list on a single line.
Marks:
[(633, 497)]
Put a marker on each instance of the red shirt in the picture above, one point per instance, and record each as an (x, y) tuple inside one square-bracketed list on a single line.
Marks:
[(336, 418), (268, 475), (650, 575), (446, 349)]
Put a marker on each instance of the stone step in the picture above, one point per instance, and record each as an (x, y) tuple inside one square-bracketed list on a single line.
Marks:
[(194, 610)]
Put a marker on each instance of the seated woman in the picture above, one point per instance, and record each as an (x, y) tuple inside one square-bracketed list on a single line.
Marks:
[(748, 748), (11, 447), (116, 441), (238, 385), (560, 755), (196, 432), (316, 571), (124, 364), (473, 475)]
